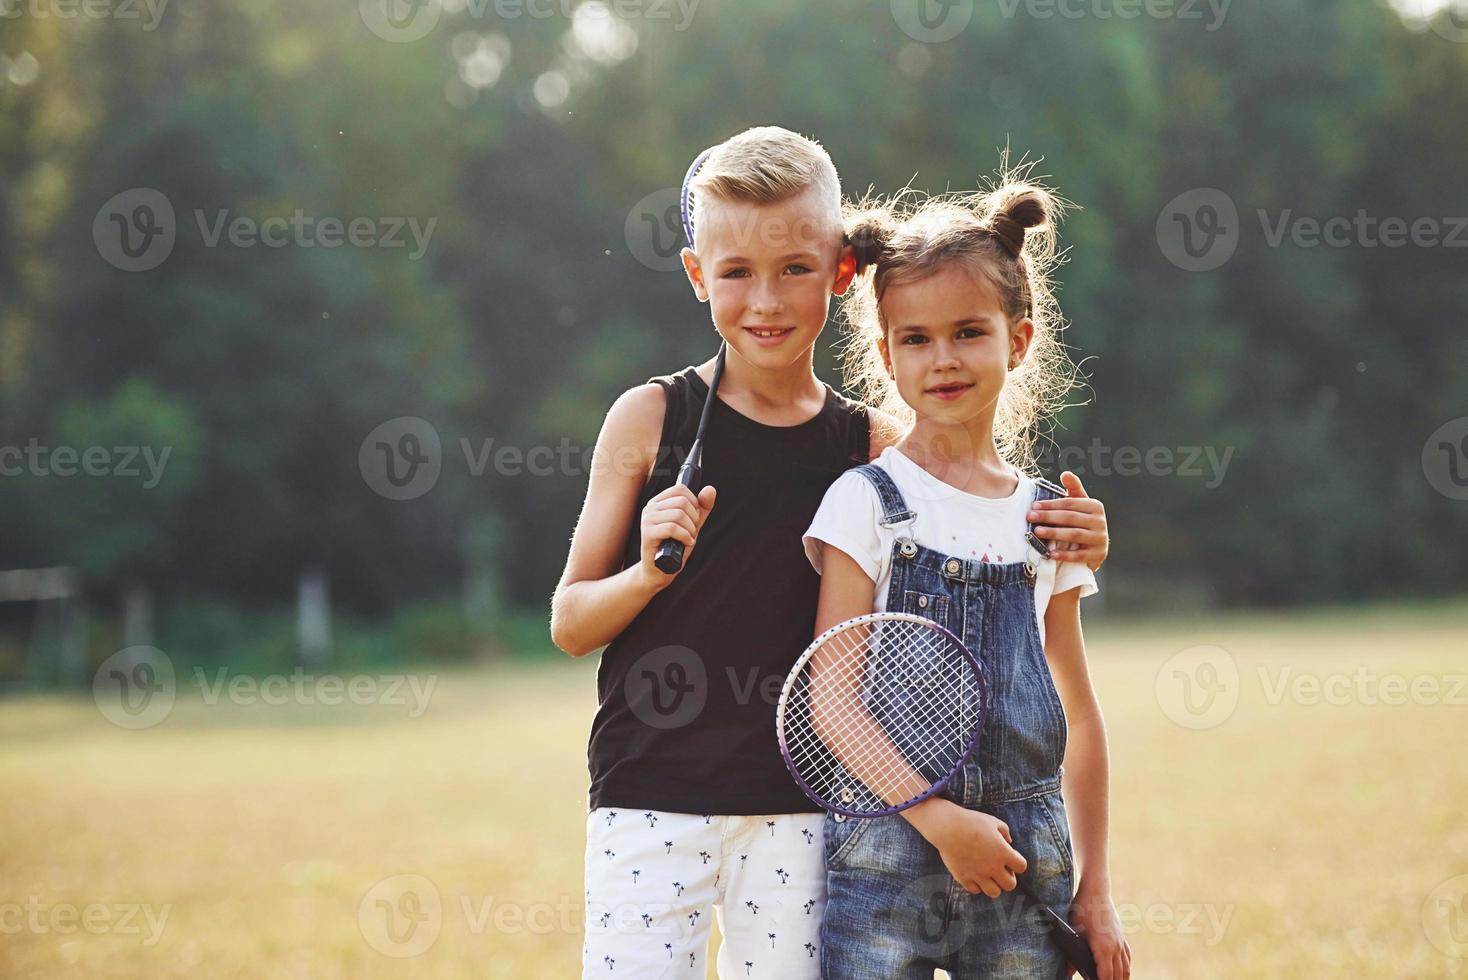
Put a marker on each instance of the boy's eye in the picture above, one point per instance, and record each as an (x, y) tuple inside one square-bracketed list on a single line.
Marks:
[(741, 273)]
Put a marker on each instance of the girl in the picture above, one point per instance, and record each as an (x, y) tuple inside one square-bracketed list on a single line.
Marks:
[(954, 331)]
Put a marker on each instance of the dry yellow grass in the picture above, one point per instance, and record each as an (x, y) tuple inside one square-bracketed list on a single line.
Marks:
[(1297, 837)]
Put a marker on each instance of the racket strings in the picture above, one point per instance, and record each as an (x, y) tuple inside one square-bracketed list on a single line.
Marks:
[(924, 756), (880, 712), (888, 778), (879, 697), (921, 721)]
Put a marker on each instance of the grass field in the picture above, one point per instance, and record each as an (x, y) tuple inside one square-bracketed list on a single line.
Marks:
[(1281, 823)]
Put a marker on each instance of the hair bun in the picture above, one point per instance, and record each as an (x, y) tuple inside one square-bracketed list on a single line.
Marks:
[(1022, 207), (868, 238), (1010, 232)]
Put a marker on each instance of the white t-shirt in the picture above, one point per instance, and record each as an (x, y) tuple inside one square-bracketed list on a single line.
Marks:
[(949, 521)]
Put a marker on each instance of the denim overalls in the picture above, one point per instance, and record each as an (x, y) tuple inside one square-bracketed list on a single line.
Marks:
[(893, 910)]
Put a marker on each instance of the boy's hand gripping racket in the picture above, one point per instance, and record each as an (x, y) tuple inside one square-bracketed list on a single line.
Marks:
[(669, 557), (670, 553), (878, 714)]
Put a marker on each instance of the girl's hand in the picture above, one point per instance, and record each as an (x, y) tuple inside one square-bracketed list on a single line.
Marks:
[(1094, 916), (975, 848), (675, 513), (1077, 524)]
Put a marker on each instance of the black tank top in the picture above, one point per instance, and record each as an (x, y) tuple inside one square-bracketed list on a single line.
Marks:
[(687, 691)]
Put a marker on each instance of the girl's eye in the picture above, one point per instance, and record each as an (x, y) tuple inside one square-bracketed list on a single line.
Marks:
[(970, 332), (913, 339)]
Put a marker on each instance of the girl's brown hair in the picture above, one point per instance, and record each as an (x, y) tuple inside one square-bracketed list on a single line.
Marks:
[(1005, 237)]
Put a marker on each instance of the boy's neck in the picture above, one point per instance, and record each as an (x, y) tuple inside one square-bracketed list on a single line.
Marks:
[(763, 389), (962, 455)]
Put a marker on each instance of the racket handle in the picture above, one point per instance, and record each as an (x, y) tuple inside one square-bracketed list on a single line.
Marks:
[(669, 558), (1076, 948)]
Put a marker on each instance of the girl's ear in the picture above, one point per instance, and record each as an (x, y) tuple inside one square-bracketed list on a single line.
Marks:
[(695, 274), (1021, 335), (886, 356), (845, 271)]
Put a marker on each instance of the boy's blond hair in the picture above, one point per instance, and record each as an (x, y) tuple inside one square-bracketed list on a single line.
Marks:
[(764, 165)]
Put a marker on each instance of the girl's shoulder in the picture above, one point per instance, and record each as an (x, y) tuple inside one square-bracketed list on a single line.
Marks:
[(853, 492), (857, 493)]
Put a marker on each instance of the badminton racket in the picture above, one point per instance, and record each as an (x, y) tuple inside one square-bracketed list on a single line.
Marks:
[(880, 713)]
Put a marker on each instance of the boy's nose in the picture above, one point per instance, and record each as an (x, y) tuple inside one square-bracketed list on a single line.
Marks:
[(765, 301)]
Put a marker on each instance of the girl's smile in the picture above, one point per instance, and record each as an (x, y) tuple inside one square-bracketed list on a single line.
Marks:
[(949, 390)]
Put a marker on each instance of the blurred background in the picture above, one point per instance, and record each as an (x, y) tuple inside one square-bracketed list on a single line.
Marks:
[(309, 316)]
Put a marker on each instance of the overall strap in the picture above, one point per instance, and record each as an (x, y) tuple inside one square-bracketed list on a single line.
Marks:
[(895, 511), (894, 507)]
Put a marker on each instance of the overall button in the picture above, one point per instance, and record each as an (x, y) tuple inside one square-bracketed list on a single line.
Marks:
[(952, 567), (922, 602)]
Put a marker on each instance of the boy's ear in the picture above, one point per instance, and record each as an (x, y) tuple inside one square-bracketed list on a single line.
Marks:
[(695, 274), (1020, 337), (845, 271)]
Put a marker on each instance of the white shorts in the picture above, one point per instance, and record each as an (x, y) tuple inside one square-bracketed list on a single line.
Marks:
[(653, 879)]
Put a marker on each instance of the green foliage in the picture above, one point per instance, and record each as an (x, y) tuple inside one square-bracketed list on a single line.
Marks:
[(1322, 369)]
